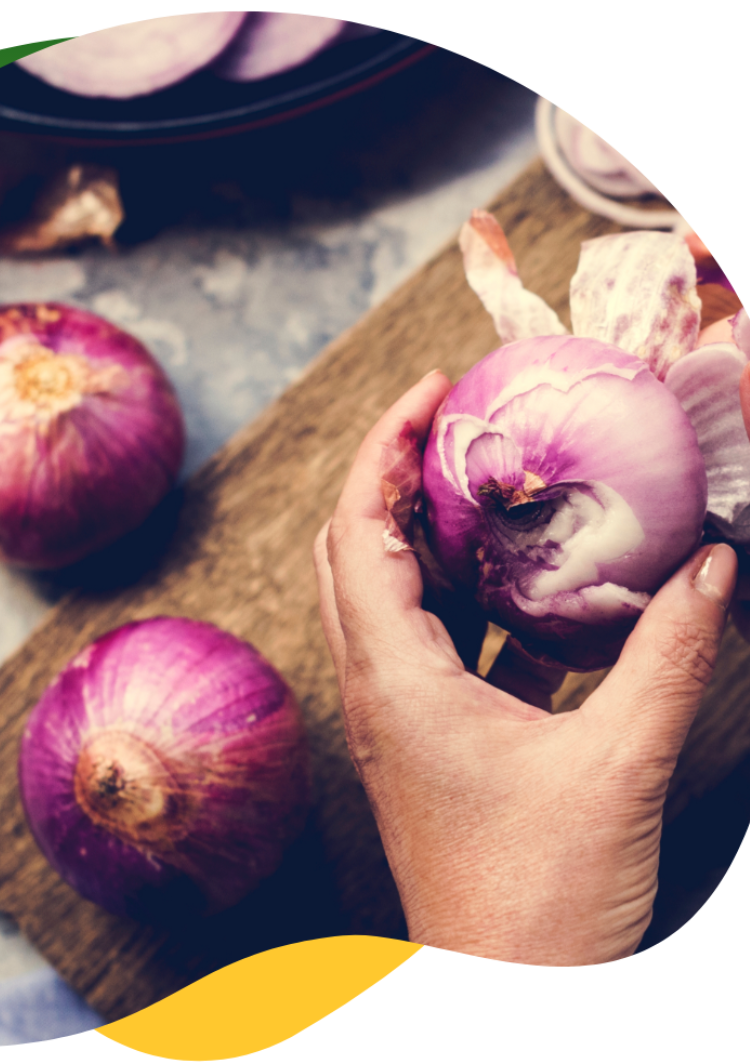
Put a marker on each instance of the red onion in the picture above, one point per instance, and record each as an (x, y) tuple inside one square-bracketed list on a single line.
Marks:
[(597, 162), (142, 57), (708, 269), (92, 434), (741, 331), (165, 770), (563, 481), (706, 383), (270, 42), (137, 58)]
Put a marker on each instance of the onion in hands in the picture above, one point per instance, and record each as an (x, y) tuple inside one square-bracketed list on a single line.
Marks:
[(92, 434), (165, 770), (566, 477)]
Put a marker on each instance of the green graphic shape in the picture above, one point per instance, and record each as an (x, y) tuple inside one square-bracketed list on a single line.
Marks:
[(18, 51)]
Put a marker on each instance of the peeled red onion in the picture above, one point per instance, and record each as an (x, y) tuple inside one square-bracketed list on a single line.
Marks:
[(137, 58), (92, 434), (165, 770), (563, 484)]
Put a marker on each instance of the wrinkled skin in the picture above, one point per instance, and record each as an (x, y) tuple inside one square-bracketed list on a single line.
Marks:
[(511, 833)]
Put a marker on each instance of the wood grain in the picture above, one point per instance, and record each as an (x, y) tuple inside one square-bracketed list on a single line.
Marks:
[(240, 556)]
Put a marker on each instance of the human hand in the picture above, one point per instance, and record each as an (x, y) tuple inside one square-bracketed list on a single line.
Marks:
[(511, 833)]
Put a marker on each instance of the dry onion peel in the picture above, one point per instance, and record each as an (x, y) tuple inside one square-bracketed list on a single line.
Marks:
[(491, 272)]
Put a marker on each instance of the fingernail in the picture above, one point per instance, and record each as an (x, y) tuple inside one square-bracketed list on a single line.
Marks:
[(716, 577), (430, 374)]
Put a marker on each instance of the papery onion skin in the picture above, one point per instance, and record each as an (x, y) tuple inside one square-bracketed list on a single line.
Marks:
[(706, 384), (585, 423), (165, 770), (740, 323), (91, 431)]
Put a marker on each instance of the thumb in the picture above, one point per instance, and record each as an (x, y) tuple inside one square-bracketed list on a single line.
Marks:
[(653, 692)]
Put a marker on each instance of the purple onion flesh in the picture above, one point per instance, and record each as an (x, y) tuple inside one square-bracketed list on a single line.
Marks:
[(137, 58), (92, 434), (270, 42), (597, 162), (563, 484), (165, 770)]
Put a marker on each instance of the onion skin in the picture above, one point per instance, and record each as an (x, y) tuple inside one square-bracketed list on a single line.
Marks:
[(638, 291), (707, 385), (581, 422), (165, 770), (92, 434)]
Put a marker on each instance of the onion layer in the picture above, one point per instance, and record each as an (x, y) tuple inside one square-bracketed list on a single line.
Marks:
[(563, 485), (597, 162), (92, 434), (137, 58), (270, 42), (165, 770)]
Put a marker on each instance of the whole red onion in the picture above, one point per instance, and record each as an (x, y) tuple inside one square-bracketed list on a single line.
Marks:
[(563, 484), (92, 434), (165, 770)]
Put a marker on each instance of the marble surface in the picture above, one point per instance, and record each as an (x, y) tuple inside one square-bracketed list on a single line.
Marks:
[(239, 261)]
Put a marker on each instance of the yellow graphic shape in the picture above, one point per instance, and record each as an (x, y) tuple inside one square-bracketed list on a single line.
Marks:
[(261, 1000)]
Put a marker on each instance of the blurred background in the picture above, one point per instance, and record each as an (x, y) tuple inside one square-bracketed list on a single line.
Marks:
[(238, 259)]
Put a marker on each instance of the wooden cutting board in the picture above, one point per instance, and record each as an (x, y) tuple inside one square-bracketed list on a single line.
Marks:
[(240, 556)]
